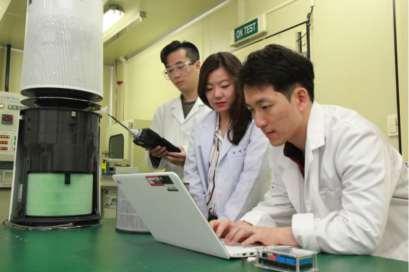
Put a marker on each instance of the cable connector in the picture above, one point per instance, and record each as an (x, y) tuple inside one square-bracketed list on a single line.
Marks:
[(104, 110), (135, 132)]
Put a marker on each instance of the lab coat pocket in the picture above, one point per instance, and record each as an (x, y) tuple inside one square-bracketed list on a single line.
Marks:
[(236, 162), (332, 198)]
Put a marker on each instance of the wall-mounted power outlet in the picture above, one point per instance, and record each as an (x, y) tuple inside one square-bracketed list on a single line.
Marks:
[(110, 202), (393, 125)]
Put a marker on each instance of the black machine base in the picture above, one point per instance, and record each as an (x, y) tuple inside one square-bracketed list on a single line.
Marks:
[(61, 92), (75, 221)]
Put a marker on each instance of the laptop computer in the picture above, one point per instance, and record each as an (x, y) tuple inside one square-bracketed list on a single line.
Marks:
[(172, 216)]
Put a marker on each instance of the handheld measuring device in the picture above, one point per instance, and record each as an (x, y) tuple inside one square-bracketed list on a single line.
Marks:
[(146, 137)]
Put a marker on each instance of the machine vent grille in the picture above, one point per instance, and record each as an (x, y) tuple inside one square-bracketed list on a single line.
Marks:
[(62, 52)]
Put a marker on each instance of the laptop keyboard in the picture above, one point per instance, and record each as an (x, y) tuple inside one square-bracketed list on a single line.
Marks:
[(238, 248)]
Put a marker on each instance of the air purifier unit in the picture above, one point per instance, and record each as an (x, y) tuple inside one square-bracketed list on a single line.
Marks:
[(56, 176)]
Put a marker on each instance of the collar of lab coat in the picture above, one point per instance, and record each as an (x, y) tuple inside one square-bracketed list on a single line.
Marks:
[(226, 146), (315, 134), (315, 128), (315, 139), (177, 109), (206, 134), (292, 175)]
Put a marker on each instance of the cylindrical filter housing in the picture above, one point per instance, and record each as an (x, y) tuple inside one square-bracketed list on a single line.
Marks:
[(57, 167), (60, 140), (63, 49)]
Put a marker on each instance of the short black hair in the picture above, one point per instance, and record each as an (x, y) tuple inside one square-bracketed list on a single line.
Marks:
[(279, 67), (191, 50)]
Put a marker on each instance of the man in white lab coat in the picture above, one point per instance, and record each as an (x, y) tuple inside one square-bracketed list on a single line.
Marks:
[(338, 185), (173, 120)]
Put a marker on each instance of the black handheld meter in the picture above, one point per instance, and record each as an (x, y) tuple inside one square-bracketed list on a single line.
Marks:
[(149, 138)]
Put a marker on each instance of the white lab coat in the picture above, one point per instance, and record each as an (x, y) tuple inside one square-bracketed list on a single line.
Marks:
[(170, 123), (243, 175), (354, 199)]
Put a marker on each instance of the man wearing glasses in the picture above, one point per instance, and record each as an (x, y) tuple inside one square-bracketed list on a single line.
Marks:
[(173, 119)]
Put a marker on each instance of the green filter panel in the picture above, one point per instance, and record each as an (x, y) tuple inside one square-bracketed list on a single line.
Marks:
[(48, 195)]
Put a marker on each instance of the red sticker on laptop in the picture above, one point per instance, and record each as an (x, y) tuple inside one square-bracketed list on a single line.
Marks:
[(155, 180)]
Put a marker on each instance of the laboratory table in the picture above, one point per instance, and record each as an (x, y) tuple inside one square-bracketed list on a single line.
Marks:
[(104, 249)]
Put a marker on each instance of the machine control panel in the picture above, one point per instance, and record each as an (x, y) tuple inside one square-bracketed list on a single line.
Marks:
[(8, 145), (8, 141), (7, 119), (15, 107), (10, 106)]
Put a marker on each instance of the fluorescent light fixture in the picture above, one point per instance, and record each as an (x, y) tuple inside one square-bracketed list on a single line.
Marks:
[(111, 16), (132, 19)]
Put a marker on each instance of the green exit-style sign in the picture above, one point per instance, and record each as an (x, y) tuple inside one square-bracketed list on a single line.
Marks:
[(249, 30), (246, 30)]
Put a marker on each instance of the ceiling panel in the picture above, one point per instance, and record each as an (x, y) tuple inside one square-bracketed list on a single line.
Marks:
[(162, 17), (13, 23)]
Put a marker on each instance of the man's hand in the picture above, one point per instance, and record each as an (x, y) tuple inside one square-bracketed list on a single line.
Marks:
[(157, 152), (266, 236), (176, 158), (223, 226), (247, 234)]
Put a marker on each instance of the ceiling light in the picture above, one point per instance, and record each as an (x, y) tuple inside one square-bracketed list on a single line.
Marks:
[(112, 15), (132, 19)]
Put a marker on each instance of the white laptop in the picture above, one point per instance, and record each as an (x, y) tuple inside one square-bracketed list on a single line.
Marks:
[(172, 216)]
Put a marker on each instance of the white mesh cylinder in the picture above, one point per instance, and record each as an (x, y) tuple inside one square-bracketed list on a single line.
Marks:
[(127, 219), (63, 48)]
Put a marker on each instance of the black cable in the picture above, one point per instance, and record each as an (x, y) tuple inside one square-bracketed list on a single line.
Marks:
[(307, 26), (275, 34), (397, 76), (7, 78), (309, 15), (301, 37)]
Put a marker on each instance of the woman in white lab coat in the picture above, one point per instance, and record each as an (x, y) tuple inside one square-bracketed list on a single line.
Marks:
[(227, 162)]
